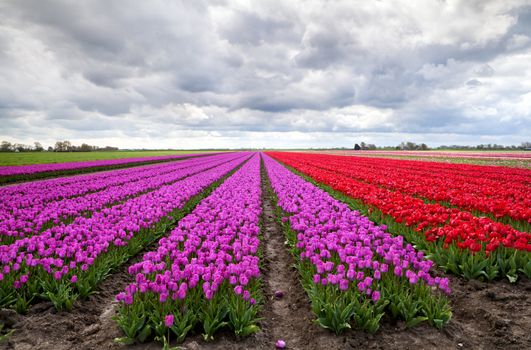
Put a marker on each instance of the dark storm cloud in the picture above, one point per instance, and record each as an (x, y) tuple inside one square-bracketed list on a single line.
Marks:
[(158, 70)]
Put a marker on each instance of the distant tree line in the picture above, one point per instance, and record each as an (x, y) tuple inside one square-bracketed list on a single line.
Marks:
[(60, 146), (364, 146), (412, 146), (490, 146)]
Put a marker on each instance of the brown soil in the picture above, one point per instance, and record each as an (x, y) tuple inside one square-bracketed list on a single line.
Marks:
[(485, 316)]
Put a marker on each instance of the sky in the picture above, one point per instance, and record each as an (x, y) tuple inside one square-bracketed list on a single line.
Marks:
[(282, 74)]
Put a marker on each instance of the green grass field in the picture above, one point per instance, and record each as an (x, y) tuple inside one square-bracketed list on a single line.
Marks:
[(24, 158)]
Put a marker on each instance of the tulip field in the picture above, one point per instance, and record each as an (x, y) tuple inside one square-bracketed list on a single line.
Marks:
[(263, 250)]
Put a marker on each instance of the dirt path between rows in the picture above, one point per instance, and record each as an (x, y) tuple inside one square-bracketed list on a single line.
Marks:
[(485, 315), (88, 326), (288, 318)]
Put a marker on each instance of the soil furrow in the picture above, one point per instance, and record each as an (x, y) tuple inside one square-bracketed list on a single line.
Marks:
[(289, 317), (88, 326)]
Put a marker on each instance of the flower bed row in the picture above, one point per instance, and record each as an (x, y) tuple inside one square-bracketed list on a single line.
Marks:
[(460, 242), (18, 223), (28, 194), (458, 154), (492, 172), (501, 198), (20, 173), (353, 270), (70, 259), (205, 272), (54, 167)]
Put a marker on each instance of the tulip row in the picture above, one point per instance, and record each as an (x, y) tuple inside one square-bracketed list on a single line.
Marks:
[(205, 272), (68, 260), (37, 168), (353, 271), (460, 154), (460, 242), (28, 194), (492, 172), (16, 223), (36, 171), (499, 197)]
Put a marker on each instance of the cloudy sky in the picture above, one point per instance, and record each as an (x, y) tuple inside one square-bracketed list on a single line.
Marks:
[(196, 74)]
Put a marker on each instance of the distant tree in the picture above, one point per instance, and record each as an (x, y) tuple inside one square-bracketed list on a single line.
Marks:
[(68, 146), (85, 148), (65, 146), (19, 147), (6, 147), (38, 147), (423, 147), (411, 146), (363, 146), (371, 146), (50, 149), (59, 147)]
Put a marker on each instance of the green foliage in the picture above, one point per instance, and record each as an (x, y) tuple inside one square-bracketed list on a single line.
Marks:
[(145, 316), (242, 316), (184, 322), (132, 321), (213, 313), (5, 336), (61, 296)]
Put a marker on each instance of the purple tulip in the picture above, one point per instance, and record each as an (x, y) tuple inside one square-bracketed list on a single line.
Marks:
[(76, 246), (168, 320), (216, 243), (25, 208), (341, 244)]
